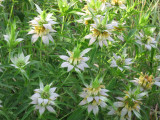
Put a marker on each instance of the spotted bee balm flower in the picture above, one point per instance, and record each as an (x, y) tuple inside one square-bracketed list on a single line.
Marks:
[(42, 26), (146, 81), (75, 59), (121, 62), (100, 32), (44, 98), (119, 3), (94, 95), (128, 105), (20, 61), (147, 41)]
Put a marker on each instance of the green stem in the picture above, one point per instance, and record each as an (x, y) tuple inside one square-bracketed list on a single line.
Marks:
[(41, 49), (66, 79), (9, 54), (63, 24), (11, 12), (117, 52)]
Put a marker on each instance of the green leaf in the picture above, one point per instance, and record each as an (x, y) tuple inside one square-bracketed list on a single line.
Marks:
[(77, 115)]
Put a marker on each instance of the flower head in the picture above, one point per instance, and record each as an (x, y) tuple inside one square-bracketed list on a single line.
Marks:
[(94, 95), (44, 98), (75, 59), (146, 41), (100, 32), (42, 26), (93, 7), (146, 81), (121, 62), (128, 105), (20, 61), (119, 3)]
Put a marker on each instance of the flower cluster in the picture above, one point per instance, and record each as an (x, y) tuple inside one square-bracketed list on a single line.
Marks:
[(100, 32), (145, 40), (20, 61), (42, 26), (44, 98), (128, 105), (119, 3), (75, 59), (94, 95), (146, 81), (121, 62)]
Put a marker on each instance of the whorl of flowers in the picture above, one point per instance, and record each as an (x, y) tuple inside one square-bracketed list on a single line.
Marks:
[(94, 95), (100, 31), (42, 26), (75, 59), (20, 61), (145, 40), (44, 98), (146, 81), (128, 105), (121, 62), (119, 3)]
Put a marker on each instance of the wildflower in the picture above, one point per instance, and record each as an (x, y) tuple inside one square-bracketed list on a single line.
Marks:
[(128, 105), (20, 61), (146, 81), (95, 8), (44, 98), (146, 41), (94, 95), (119, 3), (42, 26), (86, 16), (121, 62), (118, 28), (75, 59), (100, 32)]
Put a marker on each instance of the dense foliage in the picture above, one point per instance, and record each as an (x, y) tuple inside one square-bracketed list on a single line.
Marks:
[(79, 60)]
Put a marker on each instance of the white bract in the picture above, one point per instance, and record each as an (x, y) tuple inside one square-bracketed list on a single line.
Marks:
[(12, 36), (20, 61), (0, 104), (12, 40), (44, 98), (121, 62), (94, 95), (100, 32), (42, 26), (93, 7), (119, 3), (146, 81), (146, 41), (75, 60), (128, 105)]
